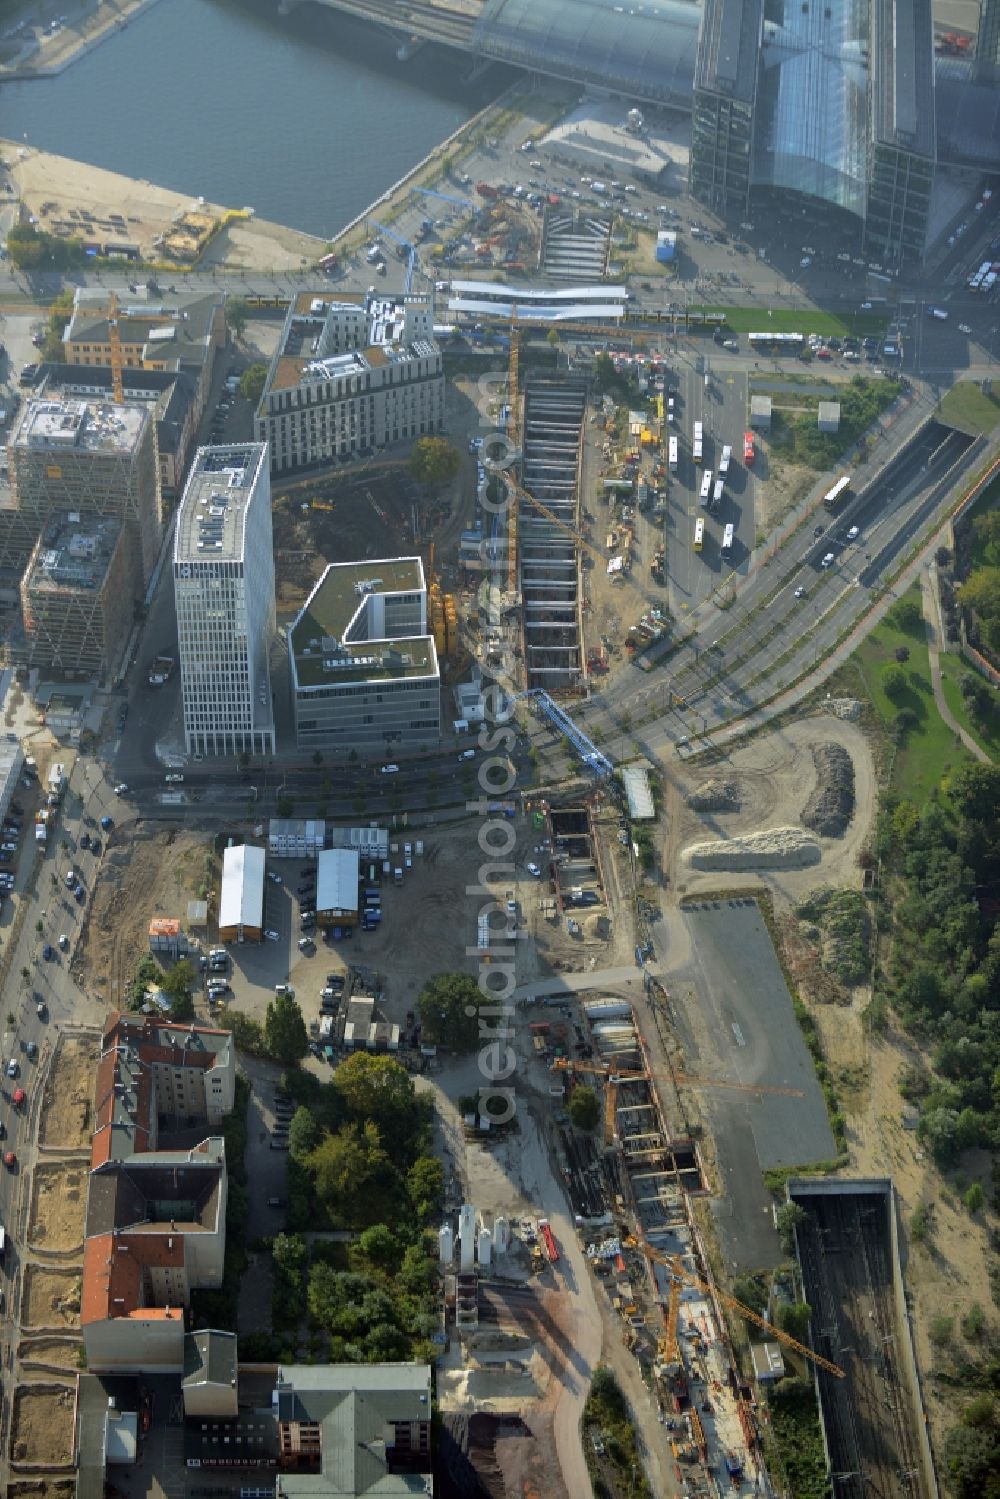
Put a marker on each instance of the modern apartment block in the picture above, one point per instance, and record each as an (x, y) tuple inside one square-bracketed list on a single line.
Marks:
[(76, 597), (224, 595), (364, 666), (94, 458), (156, 1203), (831, 102), (350, 374)]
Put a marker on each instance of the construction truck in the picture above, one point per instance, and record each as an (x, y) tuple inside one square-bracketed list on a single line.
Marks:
[(160, 670)]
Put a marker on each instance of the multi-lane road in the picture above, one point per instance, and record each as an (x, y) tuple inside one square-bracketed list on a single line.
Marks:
[(765, 634)]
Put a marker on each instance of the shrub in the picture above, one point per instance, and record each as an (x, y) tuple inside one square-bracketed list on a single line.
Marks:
[(974, 1322), (974, 1198)]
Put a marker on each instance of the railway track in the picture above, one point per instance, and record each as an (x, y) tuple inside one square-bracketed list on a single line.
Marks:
[(847, 1278)]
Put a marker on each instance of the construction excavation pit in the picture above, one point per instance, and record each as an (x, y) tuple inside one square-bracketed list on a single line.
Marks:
[(58, 1205), (548, 559), (43, 1425)]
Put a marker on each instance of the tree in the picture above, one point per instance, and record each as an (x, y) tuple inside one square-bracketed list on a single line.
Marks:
[(380, 1245), (449, 1011), (434, 460), (284, 806), (553, 337), (794, 1318), (355, 1180), (60, 312), (583, 1108), (975, 791), (176, 984), (938, 1129), (237, 313), (902, 654), (25, 247), (788, 1217), (894, 683), (247, 1033), (252, 382), (285, 1034), (425, 1186), (907, 615), (303, 1134), (374, 1087)]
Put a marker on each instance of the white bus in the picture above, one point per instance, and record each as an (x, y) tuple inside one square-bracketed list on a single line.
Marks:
[(673, 454), (706, 486), (727, 454), (698, 442), (727, 542), (838, 494), (717, 493), (699, 535)]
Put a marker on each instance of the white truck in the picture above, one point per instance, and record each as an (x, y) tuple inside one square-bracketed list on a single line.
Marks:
[(724, 461)]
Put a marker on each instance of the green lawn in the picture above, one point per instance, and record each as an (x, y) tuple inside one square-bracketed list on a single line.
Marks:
[(986, 734), (791, 320), (929, 749), (966, 406)]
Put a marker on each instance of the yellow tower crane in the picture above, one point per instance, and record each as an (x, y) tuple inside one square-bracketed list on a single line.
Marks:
[(115, 340), (676, 1268), (514, 434)]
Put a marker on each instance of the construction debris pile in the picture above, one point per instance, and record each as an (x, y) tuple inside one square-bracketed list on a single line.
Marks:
[(831, 806)]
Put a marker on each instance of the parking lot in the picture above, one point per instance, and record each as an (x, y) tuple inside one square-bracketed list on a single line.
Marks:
[(744, 1030)]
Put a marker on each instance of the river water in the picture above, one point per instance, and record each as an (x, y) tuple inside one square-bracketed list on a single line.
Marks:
[(307, 117)]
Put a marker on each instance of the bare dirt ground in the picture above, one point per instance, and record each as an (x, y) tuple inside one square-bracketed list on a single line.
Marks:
[(62, 1351), (787, 485), (52, 185), (43, 1488), (947, 1273), (52, 1298), (144, 874), (43, 1426), (67, 1113), (775, 776), (58, 1206)]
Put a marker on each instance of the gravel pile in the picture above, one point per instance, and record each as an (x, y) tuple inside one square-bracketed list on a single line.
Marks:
[(830, 808), (776, 848), (715, 796), (844, 707)]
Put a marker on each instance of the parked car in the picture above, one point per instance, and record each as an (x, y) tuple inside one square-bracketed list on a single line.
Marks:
[(272, 936)]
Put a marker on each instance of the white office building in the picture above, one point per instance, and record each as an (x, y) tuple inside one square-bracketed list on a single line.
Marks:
[(364, 666), (224, 593)]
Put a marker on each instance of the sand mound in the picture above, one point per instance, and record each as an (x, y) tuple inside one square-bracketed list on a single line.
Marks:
[(775, 848), (715, 796)]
